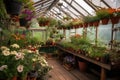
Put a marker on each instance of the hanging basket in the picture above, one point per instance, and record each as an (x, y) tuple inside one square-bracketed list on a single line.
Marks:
[(91, 24), (96, 23), (85, 25), (105, 21), (80, 25), (23, 22), (13, 7), (115, 20)]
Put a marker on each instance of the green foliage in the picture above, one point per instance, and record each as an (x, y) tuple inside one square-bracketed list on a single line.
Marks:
[(3, 13), (13, 60), (43, 20), (53, 22), (103, 13)]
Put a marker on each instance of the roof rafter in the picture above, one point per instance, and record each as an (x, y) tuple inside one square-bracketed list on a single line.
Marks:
[(82, 7), (74, 8)]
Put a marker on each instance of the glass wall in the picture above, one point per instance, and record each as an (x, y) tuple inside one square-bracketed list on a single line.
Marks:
[(104, 33)]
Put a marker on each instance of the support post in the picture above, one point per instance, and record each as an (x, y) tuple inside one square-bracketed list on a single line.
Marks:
[(103, 74)]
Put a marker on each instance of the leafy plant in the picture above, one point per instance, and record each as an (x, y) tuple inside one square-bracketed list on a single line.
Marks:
[(103, 13)]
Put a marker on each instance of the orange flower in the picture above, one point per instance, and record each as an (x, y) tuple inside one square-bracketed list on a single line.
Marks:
[(111, 10)]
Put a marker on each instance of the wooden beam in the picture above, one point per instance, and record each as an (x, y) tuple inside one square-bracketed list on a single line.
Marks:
[(82, 7), (40, 3), (71, 11), (91, 5), (106, 4), (74, 8), (64, 12)]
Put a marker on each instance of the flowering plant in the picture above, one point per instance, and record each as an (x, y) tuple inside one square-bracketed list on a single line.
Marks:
[(14, 62), (28, 14)]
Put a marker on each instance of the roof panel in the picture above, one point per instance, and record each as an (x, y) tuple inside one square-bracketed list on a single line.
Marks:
[(85, 5)]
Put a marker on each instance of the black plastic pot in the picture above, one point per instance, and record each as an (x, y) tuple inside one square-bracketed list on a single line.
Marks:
[(13, 7)]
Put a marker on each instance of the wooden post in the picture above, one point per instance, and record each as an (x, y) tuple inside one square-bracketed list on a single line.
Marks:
[(96, 35), (75, 31), (111, 42), (64, 32), (103, 74)]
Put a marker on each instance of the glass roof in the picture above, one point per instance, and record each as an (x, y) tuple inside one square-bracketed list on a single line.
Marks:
[(72, 8)]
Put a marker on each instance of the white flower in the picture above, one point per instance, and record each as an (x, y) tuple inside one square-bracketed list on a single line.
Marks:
[(14, 52), (3, 67), (6, 52), (34, 59), (4, 48), (15, 46), (20, 68), (29, 51), (29, 46)]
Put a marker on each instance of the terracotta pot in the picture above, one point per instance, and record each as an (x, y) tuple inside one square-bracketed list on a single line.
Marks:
[(85, 24), (14, 78), (91, 24), (96, 23), (105, 21), (80, 25), (82, 66), (114, 20)]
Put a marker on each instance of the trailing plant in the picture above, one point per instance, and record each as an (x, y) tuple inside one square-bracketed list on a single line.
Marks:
[(103, 13)]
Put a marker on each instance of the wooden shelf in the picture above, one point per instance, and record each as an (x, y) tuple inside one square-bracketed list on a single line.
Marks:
[(103, 65)]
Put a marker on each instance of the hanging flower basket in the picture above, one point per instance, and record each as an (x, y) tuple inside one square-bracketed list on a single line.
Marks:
[(96, 23), (13, 7), (115, 20), (23, 22), (91, 24), (85, 24), (105, 21), (80, 25)]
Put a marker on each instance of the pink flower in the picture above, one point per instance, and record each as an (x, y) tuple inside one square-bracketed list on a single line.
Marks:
[(20, 68)]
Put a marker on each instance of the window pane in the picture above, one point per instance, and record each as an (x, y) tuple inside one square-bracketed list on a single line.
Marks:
[(104, 33)]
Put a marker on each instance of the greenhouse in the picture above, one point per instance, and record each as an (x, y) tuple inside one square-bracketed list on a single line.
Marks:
[(59, 39)]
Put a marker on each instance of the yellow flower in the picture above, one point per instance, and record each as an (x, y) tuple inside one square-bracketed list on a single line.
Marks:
[(15, 46), (4, 48), (14, 52), (6, 52)]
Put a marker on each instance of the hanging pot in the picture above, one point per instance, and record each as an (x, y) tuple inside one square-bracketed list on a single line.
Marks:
[(91, 24), (13, 7), (105, 21), (96, 23), (85, 25), (23, 22), (115, 20)]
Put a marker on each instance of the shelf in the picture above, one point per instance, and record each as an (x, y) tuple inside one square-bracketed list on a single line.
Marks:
[(103, 65)]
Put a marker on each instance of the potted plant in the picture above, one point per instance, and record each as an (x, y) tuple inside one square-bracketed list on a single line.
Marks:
[(104, 15), (87, 20), (95, 20), (13, 7), (115, 16), (53, 22), (15, 63), (3, 15), (43, 21), (26, 16)]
